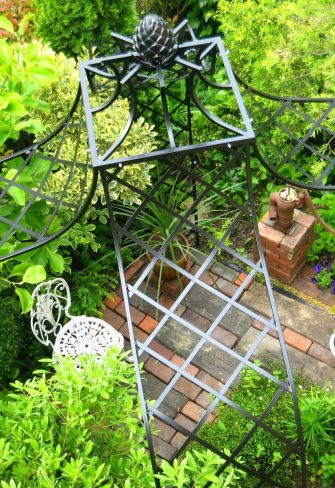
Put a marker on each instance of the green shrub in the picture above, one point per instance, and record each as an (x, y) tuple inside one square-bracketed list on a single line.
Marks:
[(285, 48), (69, 26), (11, 337), (80, 428), (24, 69), (89, 287), (324, 242), (74, 428)]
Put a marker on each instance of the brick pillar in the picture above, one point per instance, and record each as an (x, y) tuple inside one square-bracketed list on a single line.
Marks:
[(285, 254)]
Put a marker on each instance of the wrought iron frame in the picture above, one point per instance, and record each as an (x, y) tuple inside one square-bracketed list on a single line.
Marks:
[(238, 149), (128, 72), (270, 120), (46, 151)]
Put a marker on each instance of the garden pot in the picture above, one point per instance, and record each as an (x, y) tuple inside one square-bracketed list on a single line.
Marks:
[(163, 269)]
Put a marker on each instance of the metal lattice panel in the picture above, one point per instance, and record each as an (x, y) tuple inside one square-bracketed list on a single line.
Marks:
[(63, 153), (295, 137), (162, 82), (125, 229)]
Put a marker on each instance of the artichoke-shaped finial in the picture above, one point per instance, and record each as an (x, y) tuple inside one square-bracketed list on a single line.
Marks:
[(154, 41)]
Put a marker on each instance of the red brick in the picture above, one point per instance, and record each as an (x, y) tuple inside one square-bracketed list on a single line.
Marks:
[(225, 272), (188, 388), (270, 235), (304, 219), (197, 320), (134, 268), (210, 380), (204, 399), (112, 301), (185, 422), (178, 440), (124, 330), (173, 288), (225, 337), (161, 349), (241, 278), (226, 287), (322, 354), (167, 302), (159, 370), (297, 340), (195, 412), (148, 324), (258, 325), (166, 432), (113, 318), (136, 315), (292, 242), (179, 361), (139, 334), (163, 449), (205, 276), (282, 276)]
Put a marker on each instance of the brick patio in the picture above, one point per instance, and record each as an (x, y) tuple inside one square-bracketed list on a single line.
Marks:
[(306, 332)]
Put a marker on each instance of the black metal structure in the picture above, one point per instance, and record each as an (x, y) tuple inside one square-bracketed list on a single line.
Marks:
[(295, 137), (35, 221), (160, 72)]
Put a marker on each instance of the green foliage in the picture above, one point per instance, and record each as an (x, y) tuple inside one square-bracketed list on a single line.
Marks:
[(262, 451), (80, 427), (69, 26), (20, 13), (317, 410), (24, 69), (198, 469), (22, 272), (11, 336), (324, 243), (284, 48), (200, 14), (89, 287), (74, 428), (281, 47)]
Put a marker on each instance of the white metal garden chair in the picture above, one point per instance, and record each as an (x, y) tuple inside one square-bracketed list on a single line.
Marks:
[(332, 343), (80, 335)]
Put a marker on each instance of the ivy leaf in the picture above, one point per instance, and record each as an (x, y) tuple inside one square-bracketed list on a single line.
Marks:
[(26, 299), (19, 195), (19, 269), (34, 274), (6, 24), (31, 125), (56, 262)]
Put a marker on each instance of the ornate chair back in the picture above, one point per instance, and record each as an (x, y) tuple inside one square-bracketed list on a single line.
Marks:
[(51, 302)]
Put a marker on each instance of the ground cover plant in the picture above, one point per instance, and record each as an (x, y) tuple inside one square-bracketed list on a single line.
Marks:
[(263, 451)]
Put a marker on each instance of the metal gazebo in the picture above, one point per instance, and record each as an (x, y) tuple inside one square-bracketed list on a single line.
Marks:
[(160, 72)]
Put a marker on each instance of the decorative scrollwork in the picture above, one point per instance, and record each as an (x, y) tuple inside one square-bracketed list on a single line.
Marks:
[(87, 335), (52, 300)]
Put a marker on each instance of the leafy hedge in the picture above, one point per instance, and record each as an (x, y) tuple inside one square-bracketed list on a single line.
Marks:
[(11, 336), (69, 25)]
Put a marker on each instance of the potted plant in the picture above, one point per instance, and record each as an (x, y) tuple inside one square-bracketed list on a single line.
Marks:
[(155, 223)]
